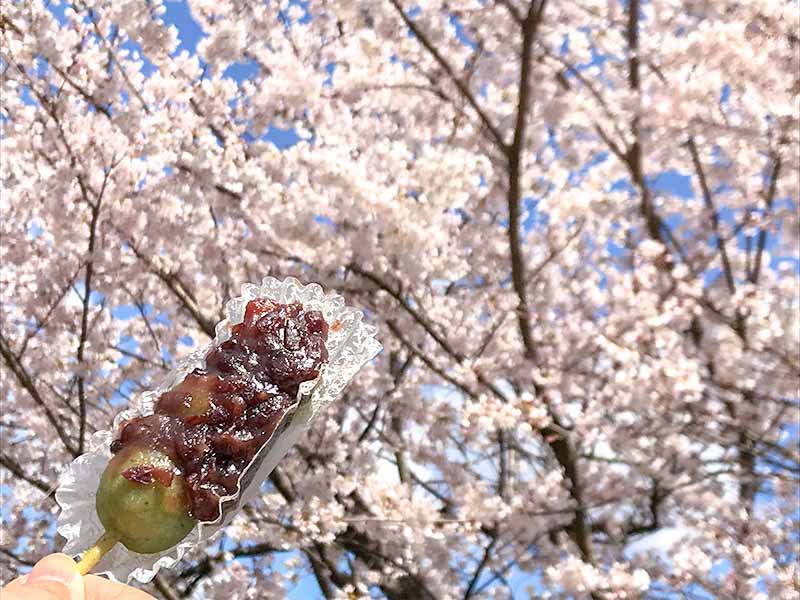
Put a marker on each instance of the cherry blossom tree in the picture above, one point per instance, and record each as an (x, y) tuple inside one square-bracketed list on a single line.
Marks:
[(589, 381)]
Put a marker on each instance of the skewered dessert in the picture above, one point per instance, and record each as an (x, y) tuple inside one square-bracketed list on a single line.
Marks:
[(177, 466), (180, 463)]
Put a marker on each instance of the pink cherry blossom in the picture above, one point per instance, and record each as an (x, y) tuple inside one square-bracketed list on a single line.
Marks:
[(574, 223)]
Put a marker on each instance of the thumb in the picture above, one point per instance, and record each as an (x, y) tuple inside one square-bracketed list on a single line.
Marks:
[(55, 577)]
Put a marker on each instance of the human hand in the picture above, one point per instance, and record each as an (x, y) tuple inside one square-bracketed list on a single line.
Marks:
[(56, 577)]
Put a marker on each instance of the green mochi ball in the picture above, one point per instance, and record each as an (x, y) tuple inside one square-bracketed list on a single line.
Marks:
[(146, 517)]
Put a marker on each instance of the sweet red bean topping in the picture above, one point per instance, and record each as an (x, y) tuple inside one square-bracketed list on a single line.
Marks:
[(214, 422)]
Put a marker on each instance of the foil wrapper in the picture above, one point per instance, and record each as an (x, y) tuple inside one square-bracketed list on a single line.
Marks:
[(351, 344)]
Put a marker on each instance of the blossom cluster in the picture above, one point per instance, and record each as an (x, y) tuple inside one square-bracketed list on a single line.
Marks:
[(574, 224)]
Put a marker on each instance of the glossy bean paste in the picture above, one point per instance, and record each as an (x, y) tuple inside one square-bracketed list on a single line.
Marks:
[(214, 422)]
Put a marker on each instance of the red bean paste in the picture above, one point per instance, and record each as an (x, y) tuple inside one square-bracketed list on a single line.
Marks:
[(214, 422)]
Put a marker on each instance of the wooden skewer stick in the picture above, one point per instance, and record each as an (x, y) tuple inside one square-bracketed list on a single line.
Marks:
[(93, 555)]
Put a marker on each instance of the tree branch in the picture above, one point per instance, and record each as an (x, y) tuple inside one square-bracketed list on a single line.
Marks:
[(477, 574), (514, 154), (427, 361), (709, 202), (87, 293), (164, 588), (15, 469), (769, 198), (25, 380), (462, 87), (428, 327), (178, 289)]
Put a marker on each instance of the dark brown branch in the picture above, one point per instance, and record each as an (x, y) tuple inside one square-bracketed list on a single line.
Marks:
[(329, 564), (88, 98), (427, 361), (632, 35), (515, 153), (164, 588), (462, 87), (206, 566), (6, 23), (769, 198), (399, 369), (567, 458), (139, 303), (428, 327), (487, 553), (503, 472), (26, 381), (87, 293), (115, 61), (633, 155), (15, 558), (282, 484), (178, 289), (217, 186), (137, 357), (708, 199), (214, 129), (404, 588), (318, 569), (512, 10), (16, 470), (595, 94), (43, 321)]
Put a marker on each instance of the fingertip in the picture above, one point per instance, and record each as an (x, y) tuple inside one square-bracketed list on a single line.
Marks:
[(54, 576), (55, 566)]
